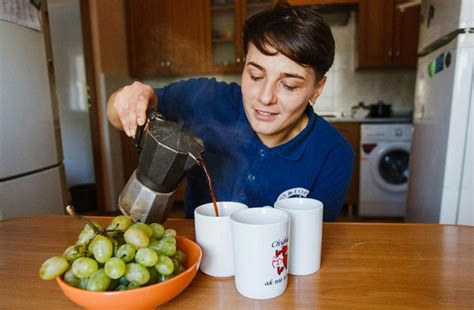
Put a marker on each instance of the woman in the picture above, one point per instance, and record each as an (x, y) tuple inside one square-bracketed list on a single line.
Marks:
[(262, 140)]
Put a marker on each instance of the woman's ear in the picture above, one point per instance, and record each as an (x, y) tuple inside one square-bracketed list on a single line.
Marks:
[(318, 88)]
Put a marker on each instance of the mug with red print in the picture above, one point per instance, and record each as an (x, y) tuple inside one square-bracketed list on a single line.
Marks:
[(260, 238)]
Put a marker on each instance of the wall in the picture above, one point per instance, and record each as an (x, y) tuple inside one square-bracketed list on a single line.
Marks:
[(345, 86), (109, 53)]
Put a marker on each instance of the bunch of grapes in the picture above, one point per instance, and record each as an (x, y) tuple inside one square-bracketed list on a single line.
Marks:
[(124, 256)]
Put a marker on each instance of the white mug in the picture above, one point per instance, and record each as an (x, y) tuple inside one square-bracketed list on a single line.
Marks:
[(214, 236), (306, 229), (260, 239)]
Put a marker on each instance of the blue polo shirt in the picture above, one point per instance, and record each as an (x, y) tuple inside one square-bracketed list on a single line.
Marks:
[(317, 163)]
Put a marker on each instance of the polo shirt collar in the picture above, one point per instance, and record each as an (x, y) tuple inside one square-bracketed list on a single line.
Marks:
[(291, 150)]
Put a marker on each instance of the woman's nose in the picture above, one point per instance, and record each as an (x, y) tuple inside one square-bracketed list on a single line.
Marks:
[(267, 94)]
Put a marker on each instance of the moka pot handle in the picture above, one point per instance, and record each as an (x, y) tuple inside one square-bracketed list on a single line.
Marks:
[(152, 115)]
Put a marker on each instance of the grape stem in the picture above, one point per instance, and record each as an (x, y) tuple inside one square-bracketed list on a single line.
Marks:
[(71, 211)]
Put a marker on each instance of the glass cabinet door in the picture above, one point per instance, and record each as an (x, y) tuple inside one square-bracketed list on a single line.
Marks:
[(255, 6), (225, 33), (227, 18)]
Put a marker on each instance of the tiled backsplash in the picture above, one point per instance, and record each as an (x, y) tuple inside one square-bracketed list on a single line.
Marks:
[(345, 86)]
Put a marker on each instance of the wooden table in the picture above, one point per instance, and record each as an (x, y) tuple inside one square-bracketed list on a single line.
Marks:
[(364, 265)]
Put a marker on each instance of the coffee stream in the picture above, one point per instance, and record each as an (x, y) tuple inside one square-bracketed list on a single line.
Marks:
[(209, 183)]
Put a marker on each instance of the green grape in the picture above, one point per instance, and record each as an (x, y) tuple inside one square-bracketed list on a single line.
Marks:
[(126, 252), (153, 276), (102, 248), (163, 247), (170, 232), (84, 267), (121, 223), (98, 281), (83, 283), (70, 278), (87, 234), (164, 265), (146, 256), (53, 267), (163, 278), (137, 274), (114, 267), (121, 287), (123, 280), (132, 285), (74, 252), (178, 270), (175, 262), (136, 237), (158, 230), (169, 239), (180, 256), (119, 240), (145, 228)]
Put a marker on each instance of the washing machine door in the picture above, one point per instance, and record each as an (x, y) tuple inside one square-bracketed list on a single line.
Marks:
[(389, 166)]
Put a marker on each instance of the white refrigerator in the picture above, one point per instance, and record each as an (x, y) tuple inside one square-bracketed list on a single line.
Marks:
[(32, 179), (440, 188)]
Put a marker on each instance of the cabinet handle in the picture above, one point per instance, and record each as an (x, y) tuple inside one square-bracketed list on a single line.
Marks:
[(237, 60), (162, 64), (390, 53), (168, 63)]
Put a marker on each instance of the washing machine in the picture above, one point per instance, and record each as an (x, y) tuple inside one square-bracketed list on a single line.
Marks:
[(384, 156)]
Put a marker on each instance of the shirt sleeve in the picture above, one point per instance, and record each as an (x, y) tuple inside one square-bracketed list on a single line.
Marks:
[(198, 101), (333, 181), (179, 101)]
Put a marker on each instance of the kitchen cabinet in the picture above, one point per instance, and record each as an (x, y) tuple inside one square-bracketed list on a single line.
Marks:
[(387, 37), (351, 131), (166, 37), (225, 51)]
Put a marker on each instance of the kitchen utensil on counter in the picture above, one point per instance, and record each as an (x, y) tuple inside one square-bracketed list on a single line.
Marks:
[(214, 236), (360, 111), (147, 297), (260, 243), (168, 151), (306, 231), (380, 109)]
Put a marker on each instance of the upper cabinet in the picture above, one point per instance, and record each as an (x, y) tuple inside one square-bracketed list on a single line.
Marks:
[(204, 37), (225, 52), (322, 2), (387, 37), (166, 37)]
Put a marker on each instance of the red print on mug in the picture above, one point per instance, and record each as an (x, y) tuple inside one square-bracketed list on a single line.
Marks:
[(280, 260)]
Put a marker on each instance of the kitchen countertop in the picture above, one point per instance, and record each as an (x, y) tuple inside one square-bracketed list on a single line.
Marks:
[(363, 265), (338, 117), (368, 120), (343, 119)]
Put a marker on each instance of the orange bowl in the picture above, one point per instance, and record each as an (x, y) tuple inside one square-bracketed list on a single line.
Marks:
[(148, 297)]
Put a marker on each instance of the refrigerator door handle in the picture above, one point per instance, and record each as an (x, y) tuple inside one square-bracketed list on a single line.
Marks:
[(442, 41)]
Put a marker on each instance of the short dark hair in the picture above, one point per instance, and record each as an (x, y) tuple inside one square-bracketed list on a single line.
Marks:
[(299, 33)]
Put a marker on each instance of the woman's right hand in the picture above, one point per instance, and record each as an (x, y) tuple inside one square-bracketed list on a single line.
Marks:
[(126, 108)]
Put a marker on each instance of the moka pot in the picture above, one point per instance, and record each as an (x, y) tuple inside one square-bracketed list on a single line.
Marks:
[(167, 150)]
